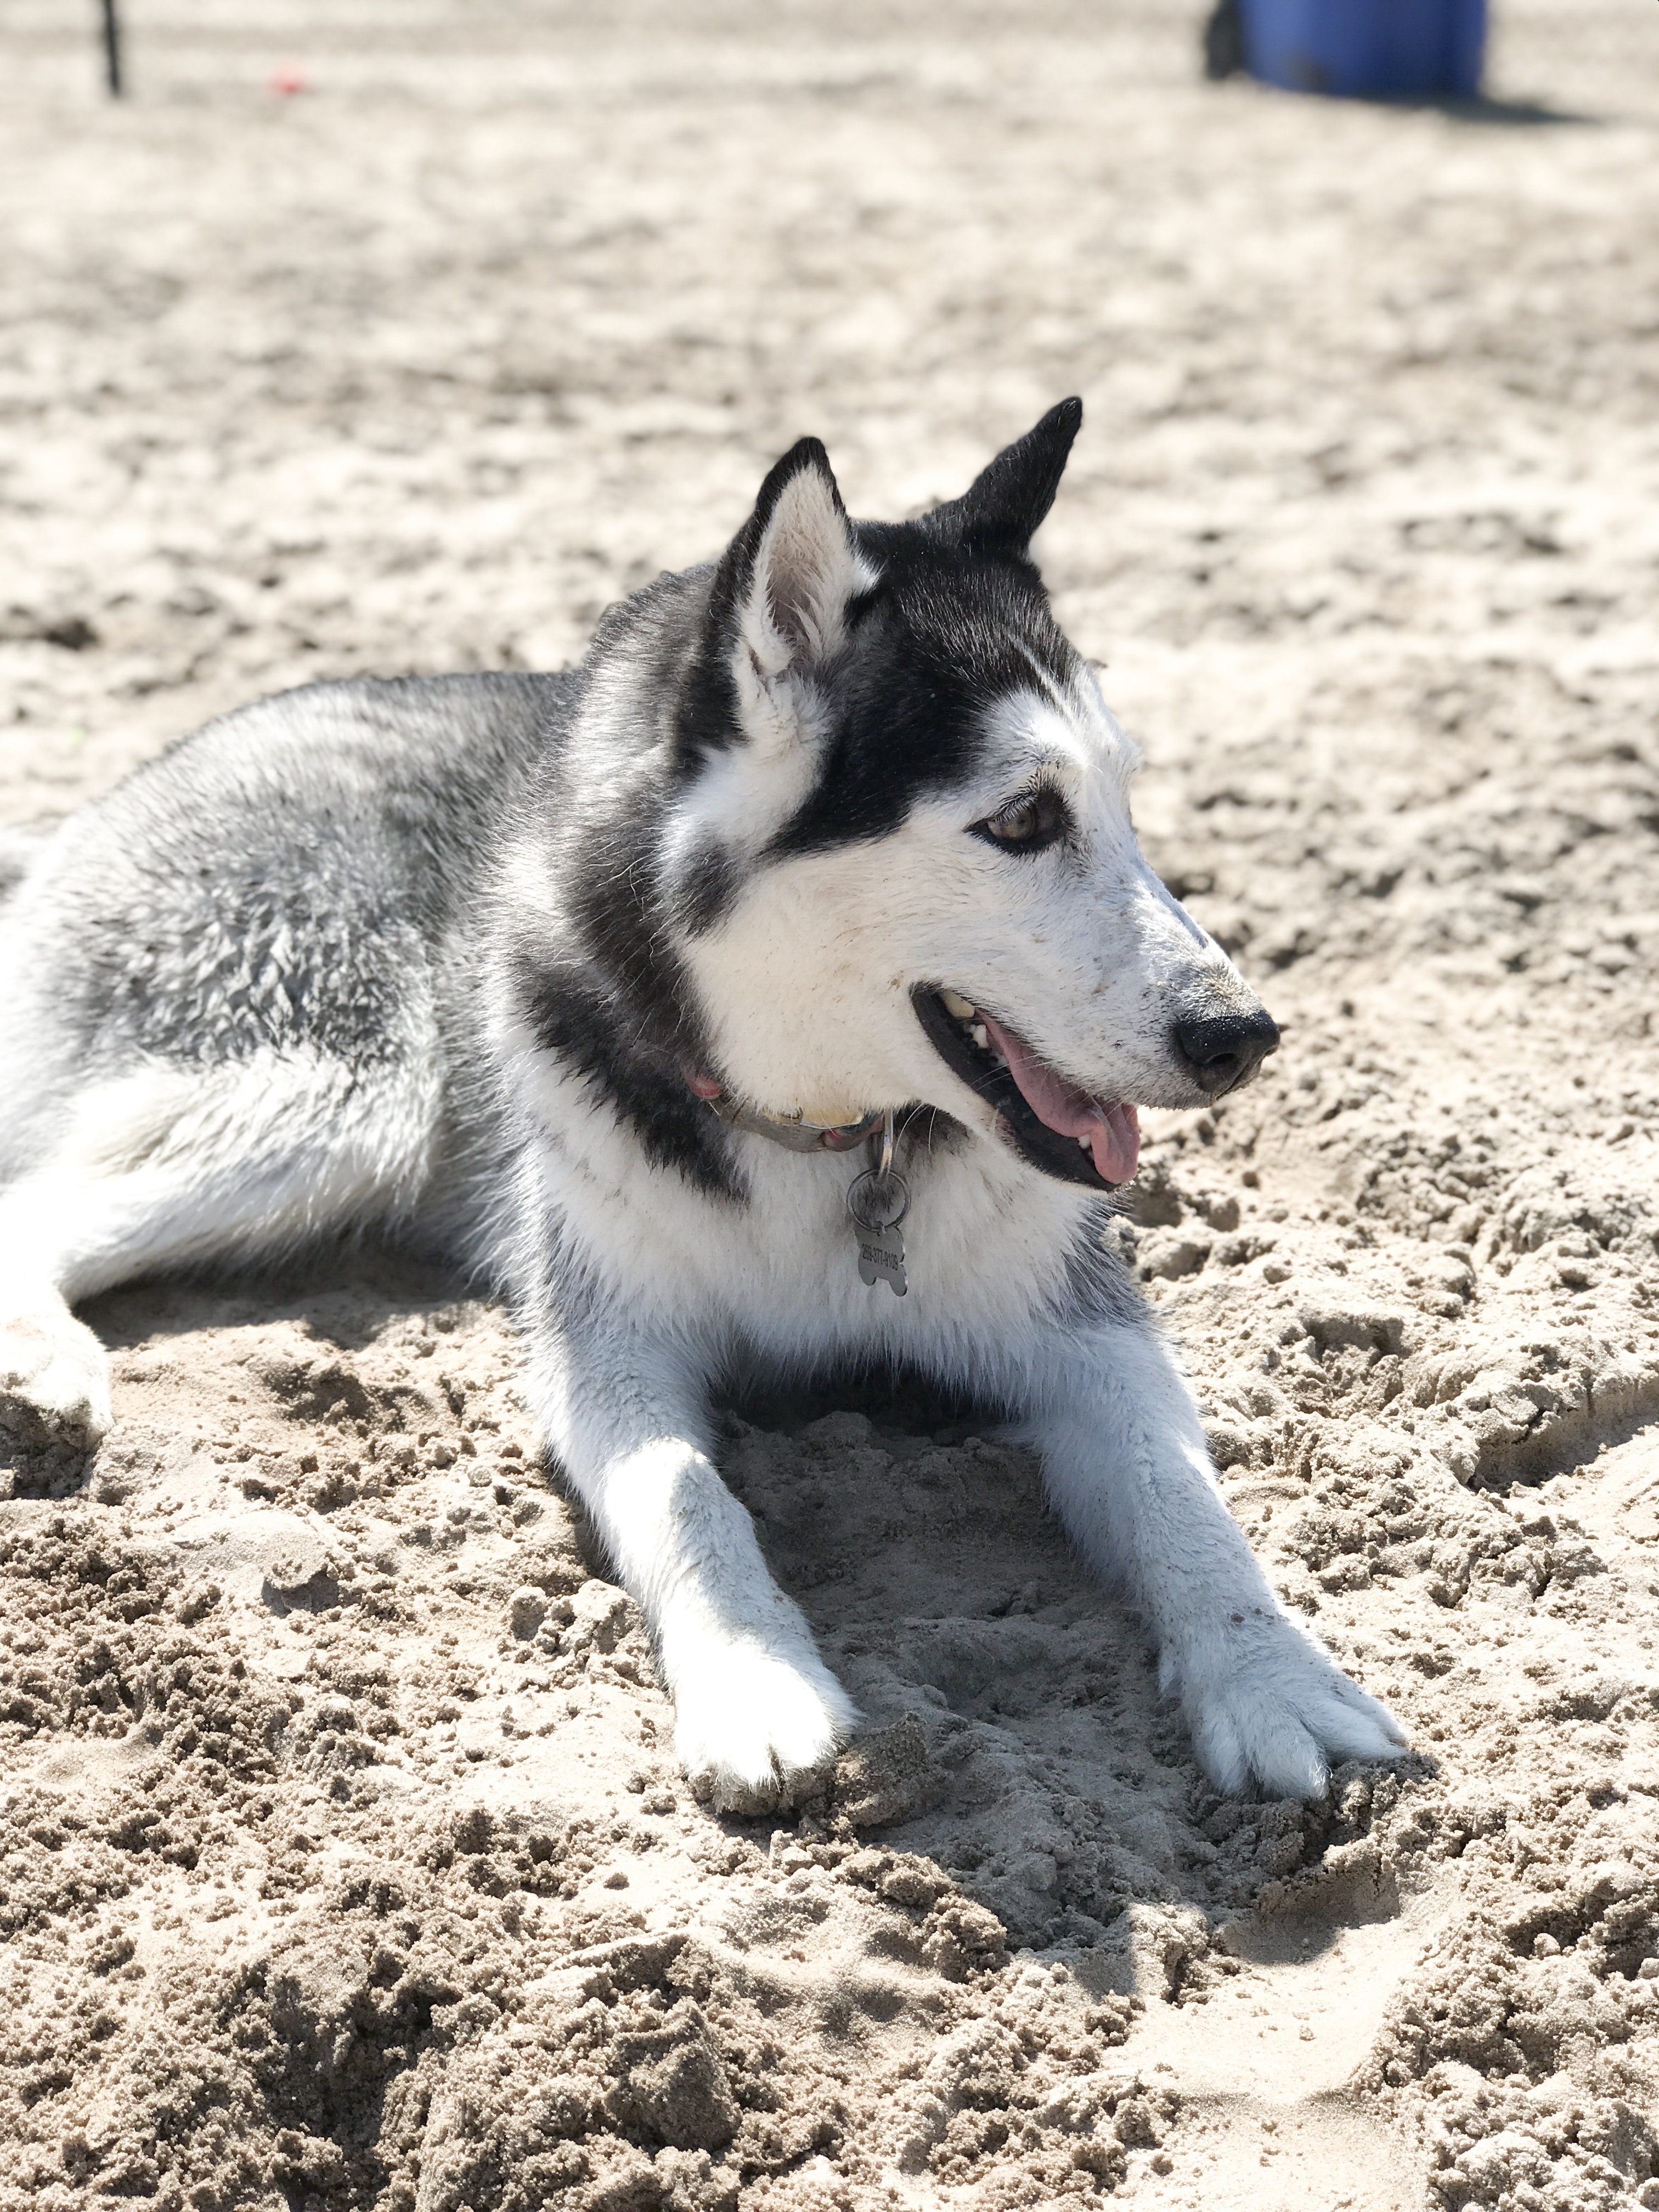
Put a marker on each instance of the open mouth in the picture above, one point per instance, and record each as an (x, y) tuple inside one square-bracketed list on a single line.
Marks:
[(1049, 1121)]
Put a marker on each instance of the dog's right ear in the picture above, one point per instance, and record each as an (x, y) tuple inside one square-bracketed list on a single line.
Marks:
[(777, 608)]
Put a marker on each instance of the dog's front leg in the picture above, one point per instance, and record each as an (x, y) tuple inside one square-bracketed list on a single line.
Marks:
[(758, 1714), (1129, 1472)]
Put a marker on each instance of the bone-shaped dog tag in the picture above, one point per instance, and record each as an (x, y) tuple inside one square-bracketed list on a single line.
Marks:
[(881, 1258)]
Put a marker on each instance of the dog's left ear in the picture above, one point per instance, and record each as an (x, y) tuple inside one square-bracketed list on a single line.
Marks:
[(1002, 508), (793, 567)]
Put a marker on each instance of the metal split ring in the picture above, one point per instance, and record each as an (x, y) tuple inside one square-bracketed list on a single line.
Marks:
[(877, 1180), (875, 1185)]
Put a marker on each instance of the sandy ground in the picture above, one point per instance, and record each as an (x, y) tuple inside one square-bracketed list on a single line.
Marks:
[(343, 1864)]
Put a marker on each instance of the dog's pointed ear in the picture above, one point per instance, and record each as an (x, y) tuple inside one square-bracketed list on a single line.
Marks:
[(777, 612), (1002, 508), (793, 567)]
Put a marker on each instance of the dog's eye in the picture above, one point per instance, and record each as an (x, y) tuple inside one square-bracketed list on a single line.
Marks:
[(1026, 824)]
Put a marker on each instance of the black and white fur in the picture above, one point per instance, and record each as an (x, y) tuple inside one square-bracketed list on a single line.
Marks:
[(455, 957)]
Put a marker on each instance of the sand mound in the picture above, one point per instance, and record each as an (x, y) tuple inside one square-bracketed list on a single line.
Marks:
[(344, 1864)]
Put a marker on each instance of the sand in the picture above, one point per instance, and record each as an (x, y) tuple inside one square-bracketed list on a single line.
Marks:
[(344, 1860)]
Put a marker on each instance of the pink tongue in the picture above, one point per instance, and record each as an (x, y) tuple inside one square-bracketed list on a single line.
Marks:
[(1113, 1130)]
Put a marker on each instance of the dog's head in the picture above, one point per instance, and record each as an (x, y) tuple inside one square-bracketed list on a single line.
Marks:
[(900, 851)]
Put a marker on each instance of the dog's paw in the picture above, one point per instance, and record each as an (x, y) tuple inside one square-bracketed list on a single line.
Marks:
[(1268, 1706), (54, 1383), (755, 1730)]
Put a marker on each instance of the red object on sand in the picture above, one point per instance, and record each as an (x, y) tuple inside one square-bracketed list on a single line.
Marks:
[(287, 81)]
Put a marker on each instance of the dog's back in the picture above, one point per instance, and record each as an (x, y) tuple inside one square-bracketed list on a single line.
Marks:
[(291, 878)]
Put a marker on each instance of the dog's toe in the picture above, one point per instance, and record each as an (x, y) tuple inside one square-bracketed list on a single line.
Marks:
[(1278, 1714), (54, 1383), (756, 1732)]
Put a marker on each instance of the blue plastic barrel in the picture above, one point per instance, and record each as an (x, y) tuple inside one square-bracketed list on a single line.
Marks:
[(1368, 49)]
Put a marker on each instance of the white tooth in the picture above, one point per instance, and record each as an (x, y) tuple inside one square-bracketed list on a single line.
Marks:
[(978, 1034), (1084, 1145), (957, 1006)]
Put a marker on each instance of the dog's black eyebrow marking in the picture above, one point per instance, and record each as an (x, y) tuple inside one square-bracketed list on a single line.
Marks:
[(940, 638)]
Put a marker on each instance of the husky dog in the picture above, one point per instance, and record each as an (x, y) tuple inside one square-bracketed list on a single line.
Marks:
[(603, 982)]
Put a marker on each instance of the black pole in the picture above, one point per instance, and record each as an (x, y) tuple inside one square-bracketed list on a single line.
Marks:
[(1224, 42), (112, 49)]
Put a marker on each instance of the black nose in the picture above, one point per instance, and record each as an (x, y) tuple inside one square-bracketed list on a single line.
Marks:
[(1225, 1050)]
